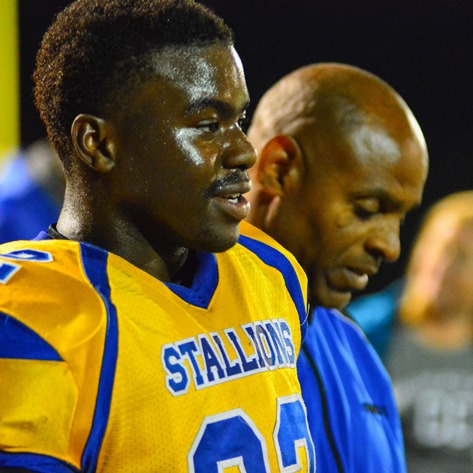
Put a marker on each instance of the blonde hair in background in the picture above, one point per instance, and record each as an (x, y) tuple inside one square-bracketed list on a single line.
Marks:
[(441, 224)]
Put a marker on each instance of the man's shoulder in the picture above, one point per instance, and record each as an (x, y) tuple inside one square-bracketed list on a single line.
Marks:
[(333, 336), (338, 321), (25, 259), (338, 330), (45, 292), (35, 275), (249, 231), (268, 250), (273, 267)]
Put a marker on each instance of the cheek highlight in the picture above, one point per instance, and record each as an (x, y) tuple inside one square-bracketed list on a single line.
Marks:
[(185, 140)]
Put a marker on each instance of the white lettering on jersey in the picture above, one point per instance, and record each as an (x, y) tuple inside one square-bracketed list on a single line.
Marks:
[(212, 358)]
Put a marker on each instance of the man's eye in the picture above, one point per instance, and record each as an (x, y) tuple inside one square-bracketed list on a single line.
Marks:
[(243, 122), (366, 208), (212, 126)]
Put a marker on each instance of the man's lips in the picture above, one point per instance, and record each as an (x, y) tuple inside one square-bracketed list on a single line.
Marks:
[(347, 279), (229, 191), (355, 280), (230, 200)]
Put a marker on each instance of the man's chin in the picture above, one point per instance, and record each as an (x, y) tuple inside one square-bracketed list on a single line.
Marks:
[(330, 298), (217, 241)]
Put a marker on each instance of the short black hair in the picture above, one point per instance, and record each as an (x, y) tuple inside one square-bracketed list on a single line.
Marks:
[(94, 47)]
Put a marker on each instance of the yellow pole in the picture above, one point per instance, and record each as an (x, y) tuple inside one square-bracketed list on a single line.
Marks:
[(9, 77)]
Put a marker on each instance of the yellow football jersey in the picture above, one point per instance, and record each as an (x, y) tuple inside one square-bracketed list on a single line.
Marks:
[(105, 368)]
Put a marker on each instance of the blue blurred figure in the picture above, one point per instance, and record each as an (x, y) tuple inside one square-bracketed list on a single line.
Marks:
[(31, 192)]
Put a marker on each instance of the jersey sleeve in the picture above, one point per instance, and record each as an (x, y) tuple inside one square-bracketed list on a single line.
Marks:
[(35, 422), (52, 332)]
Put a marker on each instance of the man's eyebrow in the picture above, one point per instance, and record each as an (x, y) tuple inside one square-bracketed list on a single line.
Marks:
[(223, 108), (384, 196)]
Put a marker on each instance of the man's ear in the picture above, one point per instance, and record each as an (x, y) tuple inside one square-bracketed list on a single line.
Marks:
[(280, 166), (91, 140)]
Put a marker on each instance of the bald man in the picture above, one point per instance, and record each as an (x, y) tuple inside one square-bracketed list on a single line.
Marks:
[(342, 160)]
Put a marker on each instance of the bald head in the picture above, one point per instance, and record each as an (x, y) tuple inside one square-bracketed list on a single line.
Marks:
[(342, 160), (331, 98)]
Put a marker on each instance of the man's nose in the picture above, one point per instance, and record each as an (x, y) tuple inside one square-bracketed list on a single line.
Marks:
[(240, 152), (384, 242)]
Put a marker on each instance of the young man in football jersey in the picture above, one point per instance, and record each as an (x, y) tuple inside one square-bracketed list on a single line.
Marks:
[(142, 332), (341, 162)]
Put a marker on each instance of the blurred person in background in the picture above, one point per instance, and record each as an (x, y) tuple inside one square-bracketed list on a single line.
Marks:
[(430, 357), (31, 191)]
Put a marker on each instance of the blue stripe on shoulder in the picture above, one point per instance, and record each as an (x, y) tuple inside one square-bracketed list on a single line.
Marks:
[(34, 462), (277, 260), (19, 341), (94, 261)]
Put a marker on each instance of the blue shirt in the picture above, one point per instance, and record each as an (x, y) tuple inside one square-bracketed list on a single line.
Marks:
[(350, 403), (376, 314)]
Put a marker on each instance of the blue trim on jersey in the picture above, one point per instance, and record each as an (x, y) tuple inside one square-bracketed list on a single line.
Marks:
[(94, 261), (277, 260), (19, 341), (204, 283), (35, 462)]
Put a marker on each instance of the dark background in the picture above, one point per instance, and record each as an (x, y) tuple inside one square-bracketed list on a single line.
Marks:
[(422, 48)]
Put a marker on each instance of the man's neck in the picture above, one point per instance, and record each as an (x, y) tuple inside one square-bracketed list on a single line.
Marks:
[(111, 231)]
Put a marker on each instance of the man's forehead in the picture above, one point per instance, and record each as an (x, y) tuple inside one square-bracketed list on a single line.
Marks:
[(197, 68), (372, 143), (374, 146), (187, 79), (375, 165)]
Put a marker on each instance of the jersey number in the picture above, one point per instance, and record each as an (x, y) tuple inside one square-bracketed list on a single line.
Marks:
[(8, 269), (232, 439)]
